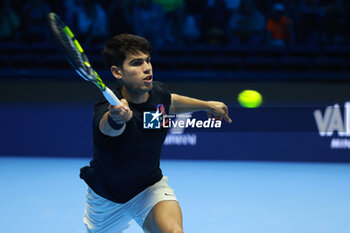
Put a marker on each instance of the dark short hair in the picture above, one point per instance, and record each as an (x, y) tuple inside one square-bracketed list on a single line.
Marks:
[(117, 48)]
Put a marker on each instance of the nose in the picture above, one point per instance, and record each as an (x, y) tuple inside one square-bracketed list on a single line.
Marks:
[(147, 67)]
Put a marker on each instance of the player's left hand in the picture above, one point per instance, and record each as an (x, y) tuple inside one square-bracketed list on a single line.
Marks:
[(219, 110)]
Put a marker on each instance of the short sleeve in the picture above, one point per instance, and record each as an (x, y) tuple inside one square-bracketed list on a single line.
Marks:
[(164, 91), (99, 110)]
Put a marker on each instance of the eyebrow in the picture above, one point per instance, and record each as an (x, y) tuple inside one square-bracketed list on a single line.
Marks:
[(140, 59)]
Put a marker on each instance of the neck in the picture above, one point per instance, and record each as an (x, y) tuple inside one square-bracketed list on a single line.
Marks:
[(135, 97)]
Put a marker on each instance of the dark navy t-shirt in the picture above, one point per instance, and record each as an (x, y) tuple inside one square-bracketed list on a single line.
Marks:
[(125, 165)]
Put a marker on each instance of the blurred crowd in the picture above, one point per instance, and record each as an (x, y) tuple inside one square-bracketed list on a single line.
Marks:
[(164, 22)]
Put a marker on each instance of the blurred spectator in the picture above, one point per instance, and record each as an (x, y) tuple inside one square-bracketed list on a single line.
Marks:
[(175, 17), (334, 22), (279, 26), (178, 21), (148, 21), (70, 10), (35, 24), (194, 20), (191, 30), (91, 21), (170, 5), (231, 5), (215, 21), (120, 15), (9, 21), (247, 25), (308, 18)]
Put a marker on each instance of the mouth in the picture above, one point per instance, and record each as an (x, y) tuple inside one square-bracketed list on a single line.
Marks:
[(148, 78)]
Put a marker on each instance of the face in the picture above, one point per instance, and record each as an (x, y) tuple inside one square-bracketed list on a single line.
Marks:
[(136, 73)]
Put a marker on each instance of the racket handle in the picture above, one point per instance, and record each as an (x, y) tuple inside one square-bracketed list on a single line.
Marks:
[(110, 97)]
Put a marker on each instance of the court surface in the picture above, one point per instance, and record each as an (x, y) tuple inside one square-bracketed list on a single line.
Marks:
[(44, 195)]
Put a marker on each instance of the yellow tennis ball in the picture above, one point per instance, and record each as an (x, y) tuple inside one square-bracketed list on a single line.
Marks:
[(250, 99)]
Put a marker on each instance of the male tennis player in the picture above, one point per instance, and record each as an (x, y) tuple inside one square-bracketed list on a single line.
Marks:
[(124, 179)]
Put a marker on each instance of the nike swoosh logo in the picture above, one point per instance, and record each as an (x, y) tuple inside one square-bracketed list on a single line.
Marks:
[(167, 194)]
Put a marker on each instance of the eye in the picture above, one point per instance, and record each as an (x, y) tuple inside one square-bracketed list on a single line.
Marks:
[(137, 63)]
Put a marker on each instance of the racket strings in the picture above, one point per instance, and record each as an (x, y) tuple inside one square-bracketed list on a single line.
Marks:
[(74, 52)]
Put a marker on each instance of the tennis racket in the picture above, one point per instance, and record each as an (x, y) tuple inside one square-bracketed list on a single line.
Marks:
[(76, 56)]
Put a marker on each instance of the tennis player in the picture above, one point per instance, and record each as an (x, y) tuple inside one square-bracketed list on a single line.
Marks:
[(124, 179)]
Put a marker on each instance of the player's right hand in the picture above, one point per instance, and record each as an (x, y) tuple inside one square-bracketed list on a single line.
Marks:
[(120, 113)]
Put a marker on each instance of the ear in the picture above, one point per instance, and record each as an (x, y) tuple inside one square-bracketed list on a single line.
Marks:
[(117, 72)]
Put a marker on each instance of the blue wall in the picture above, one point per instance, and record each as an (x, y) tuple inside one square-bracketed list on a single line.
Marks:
[(277, 134)]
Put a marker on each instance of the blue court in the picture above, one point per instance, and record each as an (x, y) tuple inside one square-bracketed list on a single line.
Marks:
[(46, 195)]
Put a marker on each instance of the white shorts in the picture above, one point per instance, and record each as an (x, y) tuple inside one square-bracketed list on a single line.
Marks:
[(102, 215)]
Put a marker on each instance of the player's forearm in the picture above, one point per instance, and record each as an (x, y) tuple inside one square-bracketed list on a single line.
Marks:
[(106, 128), (183, 104)]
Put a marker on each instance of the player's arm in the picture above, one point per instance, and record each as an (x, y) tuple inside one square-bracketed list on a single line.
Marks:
[(113, 121), (182, 104)]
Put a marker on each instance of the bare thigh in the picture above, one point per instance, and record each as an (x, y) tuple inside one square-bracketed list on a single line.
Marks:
[(165, 217)]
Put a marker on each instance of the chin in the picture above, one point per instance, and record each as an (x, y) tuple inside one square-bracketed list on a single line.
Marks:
[(149, 86)]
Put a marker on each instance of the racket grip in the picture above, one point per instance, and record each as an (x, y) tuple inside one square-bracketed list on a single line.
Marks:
[(110, 97)]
